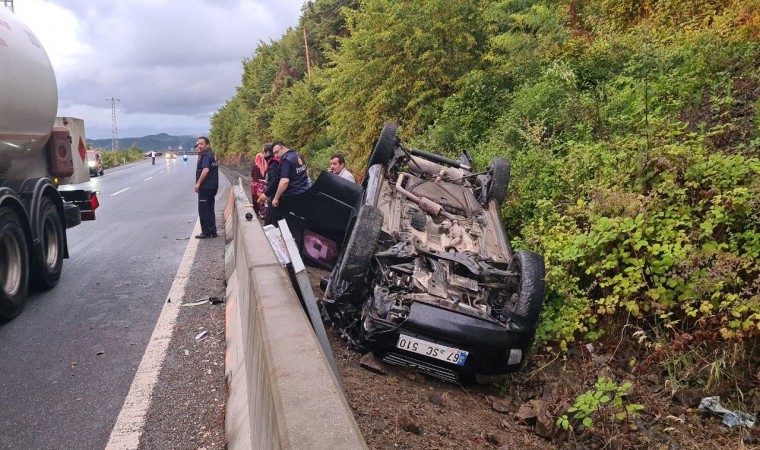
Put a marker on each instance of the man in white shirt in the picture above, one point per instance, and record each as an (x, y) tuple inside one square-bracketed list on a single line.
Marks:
[(338, 167), (153, 156)]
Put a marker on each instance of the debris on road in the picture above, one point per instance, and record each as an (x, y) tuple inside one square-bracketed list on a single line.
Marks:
[(201, 335), (199, 302), (730, 418), (203, 301)]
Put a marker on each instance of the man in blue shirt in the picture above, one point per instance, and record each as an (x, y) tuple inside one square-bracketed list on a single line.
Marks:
[(206, 185), (294, 179)]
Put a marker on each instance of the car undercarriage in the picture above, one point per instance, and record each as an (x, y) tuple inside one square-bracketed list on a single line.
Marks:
[(426, 277)]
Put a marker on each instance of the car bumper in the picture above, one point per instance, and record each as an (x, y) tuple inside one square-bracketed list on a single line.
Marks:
[(489, 345)]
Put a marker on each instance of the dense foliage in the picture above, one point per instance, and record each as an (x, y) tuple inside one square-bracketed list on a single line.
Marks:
[(632, 129), (119, 157)]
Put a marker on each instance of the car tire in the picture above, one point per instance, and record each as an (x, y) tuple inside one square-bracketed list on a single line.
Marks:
[(500, 173), (385, 146), (532, 284), (102, 171), (362, 243), (14, 274), (48, 264)]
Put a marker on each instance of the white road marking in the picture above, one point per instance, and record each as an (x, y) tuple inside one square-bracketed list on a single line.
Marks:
[(119, 192), (147, 179), (129, 425), (161, 171)]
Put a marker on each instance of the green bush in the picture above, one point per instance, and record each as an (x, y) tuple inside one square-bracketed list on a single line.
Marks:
[(119, 157)]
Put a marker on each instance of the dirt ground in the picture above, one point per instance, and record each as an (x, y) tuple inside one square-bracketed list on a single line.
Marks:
[(407, 410)]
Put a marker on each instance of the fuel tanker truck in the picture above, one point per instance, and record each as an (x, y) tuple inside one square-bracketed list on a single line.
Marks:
[(38, 153)]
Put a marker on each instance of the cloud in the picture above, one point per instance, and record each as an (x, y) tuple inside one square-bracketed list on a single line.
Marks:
[(171, 64)]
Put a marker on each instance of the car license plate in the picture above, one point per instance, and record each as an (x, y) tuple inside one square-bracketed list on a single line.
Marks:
[(437, 351)]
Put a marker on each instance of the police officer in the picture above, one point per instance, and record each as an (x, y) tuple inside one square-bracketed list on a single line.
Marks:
[(294, 180), (206, 185)]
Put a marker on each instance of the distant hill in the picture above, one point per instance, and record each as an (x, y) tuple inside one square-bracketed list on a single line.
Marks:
[(158, 142)]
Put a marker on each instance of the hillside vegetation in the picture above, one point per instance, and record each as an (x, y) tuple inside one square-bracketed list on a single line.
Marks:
[(632, 128)]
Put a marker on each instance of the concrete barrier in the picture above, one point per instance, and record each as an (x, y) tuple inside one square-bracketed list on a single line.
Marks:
[(281, 391)]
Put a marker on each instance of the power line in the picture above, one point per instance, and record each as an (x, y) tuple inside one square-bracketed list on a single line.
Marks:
[(114, 132), (8, 4)]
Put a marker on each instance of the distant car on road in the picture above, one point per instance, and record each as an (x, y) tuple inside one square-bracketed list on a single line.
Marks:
[(94, 163), (171, 154), (147, 154)]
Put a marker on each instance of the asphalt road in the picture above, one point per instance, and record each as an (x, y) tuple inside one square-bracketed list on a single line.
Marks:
[(66, 363)]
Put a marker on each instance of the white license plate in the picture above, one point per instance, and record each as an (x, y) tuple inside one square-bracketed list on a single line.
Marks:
[(437, 351)]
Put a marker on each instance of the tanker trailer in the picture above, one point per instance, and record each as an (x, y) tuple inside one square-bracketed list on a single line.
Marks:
[(35, 158)]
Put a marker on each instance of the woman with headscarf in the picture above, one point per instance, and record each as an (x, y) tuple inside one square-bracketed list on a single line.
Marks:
[(258, 172)]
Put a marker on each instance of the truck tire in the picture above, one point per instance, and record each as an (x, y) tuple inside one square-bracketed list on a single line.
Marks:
[(47, 265), (385, 146), (530, 295), (14, 272), (500, 173)]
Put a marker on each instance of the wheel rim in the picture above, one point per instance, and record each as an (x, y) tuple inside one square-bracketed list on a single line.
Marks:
[(51, 244), (11, 272)]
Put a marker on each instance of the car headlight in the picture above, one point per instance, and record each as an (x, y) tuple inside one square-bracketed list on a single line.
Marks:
[(91, 163)]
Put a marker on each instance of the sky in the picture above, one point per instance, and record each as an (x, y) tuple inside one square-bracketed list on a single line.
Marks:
[(170, 63)]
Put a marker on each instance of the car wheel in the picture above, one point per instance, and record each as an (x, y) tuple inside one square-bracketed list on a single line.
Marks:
[(102, 171), (14, 273), (530, 294), (47, 266), (497, 188), (355, 258), (385, 146), (362, 243)]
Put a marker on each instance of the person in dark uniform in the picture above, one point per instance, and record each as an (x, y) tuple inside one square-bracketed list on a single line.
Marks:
[(272, 181), (206, 185), (294, 179)]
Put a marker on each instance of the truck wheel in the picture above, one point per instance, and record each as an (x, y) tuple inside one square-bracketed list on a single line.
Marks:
[(530, 296), (14, 272), (47, 266), (497, 188), (385, 146)]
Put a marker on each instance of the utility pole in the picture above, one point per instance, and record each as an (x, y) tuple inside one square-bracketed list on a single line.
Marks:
[(114, 133), (308, 61), (8, 4)]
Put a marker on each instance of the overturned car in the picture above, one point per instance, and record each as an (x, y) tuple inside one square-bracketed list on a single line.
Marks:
[(426, 277)]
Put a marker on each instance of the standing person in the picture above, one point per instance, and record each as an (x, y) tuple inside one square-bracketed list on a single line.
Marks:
[(206, 185), (271, 216), (338, 167), (153, 156), (294, 179), (258, 183)]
